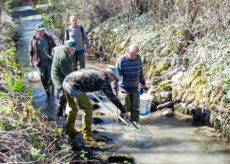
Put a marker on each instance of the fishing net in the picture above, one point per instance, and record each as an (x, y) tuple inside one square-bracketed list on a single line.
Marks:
[(142, 135)]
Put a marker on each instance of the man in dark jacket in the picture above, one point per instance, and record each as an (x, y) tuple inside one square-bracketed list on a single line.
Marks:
[(40, 50), (61, 67), (77, 83)]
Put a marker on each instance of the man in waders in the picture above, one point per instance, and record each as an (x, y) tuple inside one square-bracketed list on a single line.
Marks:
[(61, 67), (77, 84), (130, 69), (40, 50)]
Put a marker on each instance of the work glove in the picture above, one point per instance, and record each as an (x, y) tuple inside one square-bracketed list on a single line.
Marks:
[(143, 88)]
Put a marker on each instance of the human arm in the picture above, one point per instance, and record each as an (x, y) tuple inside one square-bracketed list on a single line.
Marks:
[(31, 53), (142, 78), (66, 34), (115, 83), (107, 90), (85, 38), (53, 44)]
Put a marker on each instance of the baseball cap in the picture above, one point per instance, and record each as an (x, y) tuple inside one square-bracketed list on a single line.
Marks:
[(72, 44), (113, 70), (40, 26)]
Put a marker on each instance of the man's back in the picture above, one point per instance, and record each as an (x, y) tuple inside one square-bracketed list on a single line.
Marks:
[(90, 80), (61, 65), (87, 80)]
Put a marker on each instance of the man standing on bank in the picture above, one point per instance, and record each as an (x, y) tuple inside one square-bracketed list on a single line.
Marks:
[(76, 33), (40, 50), (77, 84), (130, 69), (61, 67)]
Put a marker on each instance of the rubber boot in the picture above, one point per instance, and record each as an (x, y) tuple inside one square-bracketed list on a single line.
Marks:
[(86, 106), (86, 124), (135, 98), (71, 118)]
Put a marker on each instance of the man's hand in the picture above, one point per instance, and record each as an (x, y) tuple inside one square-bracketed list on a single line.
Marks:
[(125, 115), (116, 94), (31, 65)]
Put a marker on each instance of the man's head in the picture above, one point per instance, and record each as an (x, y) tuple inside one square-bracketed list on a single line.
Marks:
[(113, 73), (73, 21), (71, 46), (40, 30), (132, 52)]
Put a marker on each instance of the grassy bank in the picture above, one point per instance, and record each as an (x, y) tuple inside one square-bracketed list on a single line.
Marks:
[(25, 134)]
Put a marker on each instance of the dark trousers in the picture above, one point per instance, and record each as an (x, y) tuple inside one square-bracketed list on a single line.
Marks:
[(45, 75), (78, 58), (61, 98), (132, 101)]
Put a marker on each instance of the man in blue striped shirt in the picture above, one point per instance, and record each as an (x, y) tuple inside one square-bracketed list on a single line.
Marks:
[(130, 69)]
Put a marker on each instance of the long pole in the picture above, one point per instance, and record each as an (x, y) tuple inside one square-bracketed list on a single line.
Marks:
[(107, 107)]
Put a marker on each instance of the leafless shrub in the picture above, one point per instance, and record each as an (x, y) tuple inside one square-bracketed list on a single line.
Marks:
[(24, 130)]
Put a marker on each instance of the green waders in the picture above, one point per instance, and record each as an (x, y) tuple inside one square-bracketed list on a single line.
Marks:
[(86, 106), (132, 102)]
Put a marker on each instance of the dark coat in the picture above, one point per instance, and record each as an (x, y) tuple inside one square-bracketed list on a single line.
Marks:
[(33, 51)]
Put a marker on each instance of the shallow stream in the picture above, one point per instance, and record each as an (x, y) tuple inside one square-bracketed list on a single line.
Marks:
[(174, 140)]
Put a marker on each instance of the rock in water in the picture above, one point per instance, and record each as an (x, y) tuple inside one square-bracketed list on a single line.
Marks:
[(167, 112)]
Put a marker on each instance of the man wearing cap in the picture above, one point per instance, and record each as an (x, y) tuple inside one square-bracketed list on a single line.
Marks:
[(130, 69), (77, 33), (61, 67), (40, 49), (77, 83)]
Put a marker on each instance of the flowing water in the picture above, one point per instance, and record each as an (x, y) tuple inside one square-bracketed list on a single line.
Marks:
[(173, 141)]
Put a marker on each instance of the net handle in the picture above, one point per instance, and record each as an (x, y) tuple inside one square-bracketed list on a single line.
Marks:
[(111, 110)]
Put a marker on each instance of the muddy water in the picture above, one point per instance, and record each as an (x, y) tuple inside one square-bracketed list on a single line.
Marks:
[(174, 141)]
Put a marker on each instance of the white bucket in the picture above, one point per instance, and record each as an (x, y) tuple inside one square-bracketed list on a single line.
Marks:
[(34, 76), (145, 104)]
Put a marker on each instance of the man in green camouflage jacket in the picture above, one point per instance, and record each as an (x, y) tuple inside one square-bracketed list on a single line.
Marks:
[(89, 80)]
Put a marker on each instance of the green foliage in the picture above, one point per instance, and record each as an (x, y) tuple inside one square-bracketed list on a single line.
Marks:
[(15, 84), (37, 153), (3, 95), (7, 5), (58, 13), (83, 156)]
